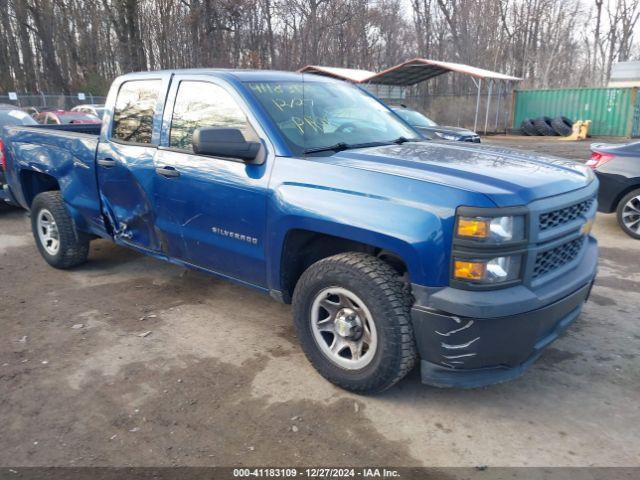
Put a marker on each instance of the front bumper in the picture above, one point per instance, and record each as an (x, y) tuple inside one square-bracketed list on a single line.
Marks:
[(505, 335)]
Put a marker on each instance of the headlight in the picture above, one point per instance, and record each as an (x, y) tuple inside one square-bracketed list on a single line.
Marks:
[(488, 271), (491, 229)]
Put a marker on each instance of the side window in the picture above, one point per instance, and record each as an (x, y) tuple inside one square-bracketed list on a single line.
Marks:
[(134, 110), (202, 104)]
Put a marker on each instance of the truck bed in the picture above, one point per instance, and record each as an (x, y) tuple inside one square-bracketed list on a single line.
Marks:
[(64, 154), (88, 128)]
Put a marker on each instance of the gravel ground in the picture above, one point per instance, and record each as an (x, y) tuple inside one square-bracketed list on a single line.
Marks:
[(579, 151), (219, 379)]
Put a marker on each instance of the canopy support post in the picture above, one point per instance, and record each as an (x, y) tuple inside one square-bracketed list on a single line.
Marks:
[(478, 84), (500, 85), (488, 106)]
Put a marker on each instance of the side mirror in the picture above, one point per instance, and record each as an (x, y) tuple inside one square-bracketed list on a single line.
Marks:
[(226, 142)]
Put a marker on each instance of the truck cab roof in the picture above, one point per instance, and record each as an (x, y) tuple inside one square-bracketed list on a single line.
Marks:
[(242, 75)]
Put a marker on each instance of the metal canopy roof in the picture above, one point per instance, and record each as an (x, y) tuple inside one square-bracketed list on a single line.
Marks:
[(420, 69), (407, 73), (351, 74)]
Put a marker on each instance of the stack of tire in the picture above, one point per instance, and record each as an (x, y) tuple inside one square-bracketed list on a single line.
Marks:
[(547, 126)]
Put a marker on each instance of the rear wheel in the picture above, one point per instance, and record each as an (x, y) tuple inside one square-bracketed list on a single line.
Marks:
[(352, 317), (629, 214), (58, 241)]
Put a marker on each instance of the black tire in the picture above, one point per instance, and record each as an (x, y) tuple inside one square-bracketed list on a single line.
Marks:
[(562, 126), (387, 299), (620, 211), (543, 126), (73, 246), (528, 128)]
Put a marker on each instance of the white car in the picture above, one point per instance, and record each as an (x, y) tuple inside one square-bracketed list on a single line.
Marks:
[(93, 109)]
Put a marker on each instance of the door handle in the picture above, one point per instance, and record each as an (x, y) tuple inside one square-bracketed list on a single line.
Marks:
[(167, 171), (107, 162)]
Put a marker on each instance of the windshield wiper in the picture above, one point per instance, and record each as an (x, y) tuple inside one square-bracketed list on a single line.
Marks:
[(338, 147)]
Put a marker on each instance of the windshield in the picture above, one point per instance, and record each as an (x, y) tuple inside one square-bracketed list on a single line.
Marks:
[(415, 118), (313, 115), (15, 117)]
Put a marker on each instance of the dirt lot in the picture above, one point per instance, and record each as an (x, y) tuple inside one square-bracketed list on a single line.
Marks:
[(220, 380)]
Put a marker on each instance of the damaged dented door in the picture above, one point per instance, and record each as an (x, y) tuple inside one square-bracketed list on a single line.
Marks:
[(125, 163)]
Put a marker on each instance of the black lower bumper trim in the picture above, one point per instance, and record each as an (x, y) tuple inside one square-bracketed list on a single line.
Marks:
[(468, 352)]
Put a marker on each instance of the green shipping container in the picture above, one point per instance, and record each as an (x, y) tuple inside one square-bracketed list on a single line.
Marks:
[(612, 111)]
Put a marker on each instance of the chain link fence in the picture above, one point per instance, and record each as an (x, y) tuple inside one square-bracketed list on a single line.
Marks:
[(46, 100), (459, 110), (456, 110)]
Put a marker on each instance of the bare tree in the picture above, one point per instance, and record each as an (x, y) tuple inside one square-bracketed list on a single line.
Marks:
[(65, 45)]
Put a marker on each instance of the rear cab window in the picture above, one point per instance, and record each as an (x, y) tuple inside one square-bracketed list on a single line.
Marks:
[(134, 111)]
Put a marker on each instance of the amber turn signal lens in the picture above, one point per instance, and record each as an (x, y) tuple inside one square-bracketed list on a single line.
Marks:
[(469, 270), (473, 227)]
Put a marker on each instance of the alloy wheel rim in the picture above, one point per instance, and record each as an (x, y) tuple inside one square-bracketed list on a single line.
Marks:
[(48, 232), (631, 214), (343, 328)]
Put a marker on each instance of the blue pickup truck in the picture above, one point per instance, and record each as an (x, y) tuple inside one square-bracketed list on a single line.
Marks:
[(392, 249)]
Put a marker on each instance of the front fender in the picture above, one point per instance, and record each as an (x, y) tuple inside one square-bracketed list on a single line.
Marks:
[(410, 217), (414, 234)]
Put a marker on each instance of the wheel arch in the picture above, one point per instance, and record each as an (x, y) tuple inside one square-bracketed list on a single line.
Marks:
[(622, 194), (33, 183), (303, 247)]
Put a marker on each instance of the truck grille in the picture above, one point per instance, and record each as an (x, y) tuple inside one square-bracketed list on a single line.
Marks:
[(564, 215), (556, 257)]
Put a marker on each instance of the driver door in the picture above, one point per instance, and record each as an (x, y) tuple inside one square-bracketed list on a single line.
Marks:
[(211, 211)]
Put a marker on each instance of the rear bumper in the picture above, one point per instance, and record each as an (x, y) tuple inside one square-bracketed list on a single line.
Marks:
[(610, 191), (6, 196), (467, 351)]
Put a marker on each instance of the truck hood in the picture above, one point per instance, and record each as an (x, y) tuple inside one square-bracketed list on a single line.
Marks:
[(508, 177), (460, 132)]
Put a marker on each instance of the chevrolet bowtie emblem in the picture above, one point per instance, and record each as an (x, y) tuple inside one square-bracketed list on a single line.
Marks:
[(586, 228)]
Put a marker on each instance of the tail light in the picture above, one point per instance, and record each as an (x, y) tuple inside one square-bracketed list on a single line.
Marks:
[(598, 159), (3, 157)]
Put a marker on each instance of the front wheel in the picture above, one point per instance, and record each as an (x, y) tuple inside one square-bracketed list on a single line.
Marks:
[(353, 321), (58, 241)]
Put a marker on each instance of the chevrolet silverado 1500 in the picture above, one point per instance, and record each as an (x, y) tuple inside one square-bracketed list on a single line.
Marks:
[(393, 249)]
